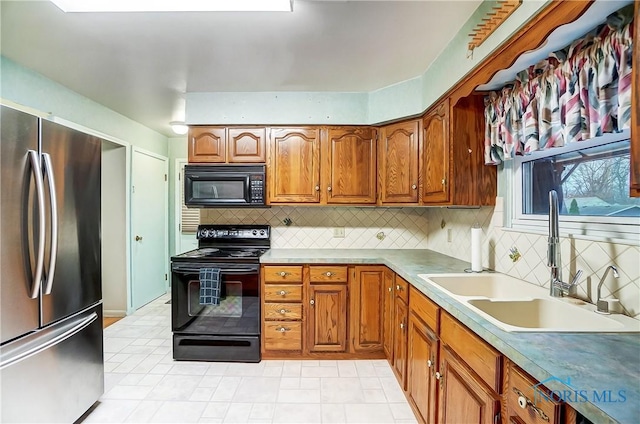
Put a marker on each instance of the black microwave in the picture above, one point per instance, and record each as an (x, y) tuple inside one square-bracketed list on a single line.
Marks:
[(224, 186)]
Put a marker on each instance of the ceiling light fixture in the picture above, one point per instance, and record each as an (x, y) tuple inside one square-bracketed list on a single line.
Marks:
[(175, 5), (178, 127)]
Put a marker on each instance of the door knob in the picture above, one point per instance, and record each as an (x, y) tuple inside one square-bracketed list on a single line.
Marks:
[(138, 238)]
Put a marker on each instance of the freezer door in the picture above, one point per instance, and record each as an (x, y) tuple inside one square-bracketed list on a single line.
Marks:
[(18, 312), (55, 374), (75, 160)]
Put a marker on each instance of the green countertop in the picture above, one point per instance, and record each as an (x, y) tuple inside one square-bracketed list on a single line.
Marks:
[(598, 372)]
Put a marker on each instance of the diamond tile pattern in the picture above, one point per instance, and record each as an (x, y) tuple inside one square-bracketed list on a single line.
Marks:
[(312, 227), (590, 256)]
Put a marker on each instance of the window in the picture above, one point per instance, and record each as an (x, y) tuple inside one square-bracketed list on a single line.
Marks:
[(592, 182)]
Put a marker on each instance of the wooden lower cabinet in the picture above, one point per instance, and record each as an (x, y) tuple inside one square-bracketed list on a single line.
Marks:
[(462, 397), (388, 317), (401, 314), (327, 318), (422, 362), (366, 317)]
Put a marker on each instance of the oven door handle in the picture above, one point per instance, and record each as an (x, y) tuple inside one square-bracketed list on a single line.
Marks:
[(190, 269)]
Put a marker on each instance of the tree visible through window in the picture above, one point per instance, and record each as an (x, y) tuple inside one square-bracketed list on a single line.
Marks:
[(590, 182)]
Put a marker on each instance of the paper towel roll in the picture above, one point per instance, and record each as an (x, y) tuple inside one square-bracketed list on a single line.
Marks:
[(476, 249)]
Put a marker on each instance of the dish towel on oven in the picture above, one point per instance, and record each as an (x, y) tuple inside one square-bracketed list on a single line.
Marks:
[(209, 286)]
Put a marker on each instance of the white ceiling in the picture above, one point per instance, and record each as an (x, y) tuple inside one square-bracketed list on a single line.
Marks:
[(141, 64)]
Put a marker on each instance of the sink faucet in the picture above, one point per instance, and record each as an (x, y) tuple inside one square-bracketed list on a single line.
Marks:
[(557, 287), (603, 305)]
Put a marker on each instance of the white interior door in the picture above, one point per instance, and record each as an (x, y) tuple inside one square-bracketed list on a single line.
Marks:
[(149, 228)]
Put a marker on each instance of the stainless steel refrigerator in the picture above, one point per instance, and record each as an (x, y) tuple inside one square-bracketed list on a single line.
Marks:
[(51, 350)]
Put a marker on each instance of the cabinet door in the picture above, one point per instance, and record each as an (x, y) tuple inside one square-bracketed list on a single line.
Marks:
[(421, 368), (367, 292), (350, 165), (327, 318), (207, 144), (247, 145), (462, 398), (400, 341), (398, 162), (635, 110), (388, 317), (294, 165), (435, 166)]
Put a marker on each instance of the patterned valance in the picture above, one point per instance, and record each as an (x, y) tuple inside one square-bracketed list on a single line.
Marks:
[(578, 93)]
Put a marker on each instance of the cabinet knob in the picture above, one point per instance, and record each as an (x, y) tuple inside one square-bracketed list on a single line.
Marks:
[(282, 329), (413, 186), (283, 293), (283, 274), (398, 287), (429, 363), (444, 181), (313, 302), (390, 289), (329, 188), (284, 311), (438, 375), (317, 188), (402, 325), (328, 274)]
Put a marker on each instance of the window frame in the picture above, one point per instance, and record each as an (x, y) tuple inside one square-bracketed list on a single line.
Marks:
[(625, 230)]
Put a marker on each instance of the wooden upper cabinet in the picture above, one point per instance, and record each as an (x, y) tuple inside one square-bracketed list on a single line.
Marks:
[(247, 145), (366, 314), (350, 171), (207, 144), (436, 156), (294, 165), (398, 162), (227, 145), (635, 109)]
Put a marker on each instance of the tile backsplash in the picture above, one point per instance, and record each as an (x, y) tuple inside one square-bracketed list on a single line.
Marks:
[(313, 227), (590, 256)]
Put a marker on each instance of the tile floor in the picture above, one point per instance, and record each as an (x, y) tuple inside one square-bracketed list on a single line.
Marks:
[(144, 384)]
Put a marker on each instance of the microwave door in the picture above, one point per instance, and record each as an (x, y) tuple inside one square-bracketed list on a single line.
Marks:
[(219, 190)]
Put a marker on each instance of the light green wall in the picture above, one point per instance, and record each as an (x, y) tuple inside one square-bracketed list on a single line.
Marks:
[(28, 88), (406, 98), (177, 150)]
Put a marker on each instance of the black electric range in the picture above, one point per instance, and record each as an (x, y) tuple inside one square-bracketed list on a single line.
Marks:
[(230, 330)]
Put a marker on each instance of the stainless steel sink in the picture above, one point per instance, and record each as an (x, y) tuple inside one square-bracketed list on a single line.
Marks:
[(515, 305)]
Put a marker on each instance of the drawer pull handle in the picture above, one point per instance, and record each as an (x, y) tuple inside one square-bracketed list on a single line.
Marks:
[(283, 293), (283, 273), (525, 402), (284, 311), (328, 274), (282, 329)]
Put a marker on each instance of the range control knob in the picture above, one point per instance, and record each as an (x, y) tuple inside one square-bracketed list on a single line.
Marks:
[(254, 232), (262, 232)]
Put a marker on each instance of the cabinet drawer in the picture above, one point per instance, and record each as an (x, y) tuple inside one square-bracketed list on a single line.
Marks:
[(402, 289), (285, 335), (275, 311), (328, 274), (424, 309), (475, 352), (283, 293), (540, 408), (282, 274)]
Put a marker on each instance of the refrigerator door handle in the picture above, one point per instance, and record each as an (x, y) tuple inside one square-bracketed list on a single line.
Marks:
[(34, 159), (48, 168), (56, 335)]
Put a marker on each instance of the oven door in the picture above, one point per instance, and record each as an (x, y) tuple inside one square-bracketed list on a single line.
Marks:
[(238, 312)]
